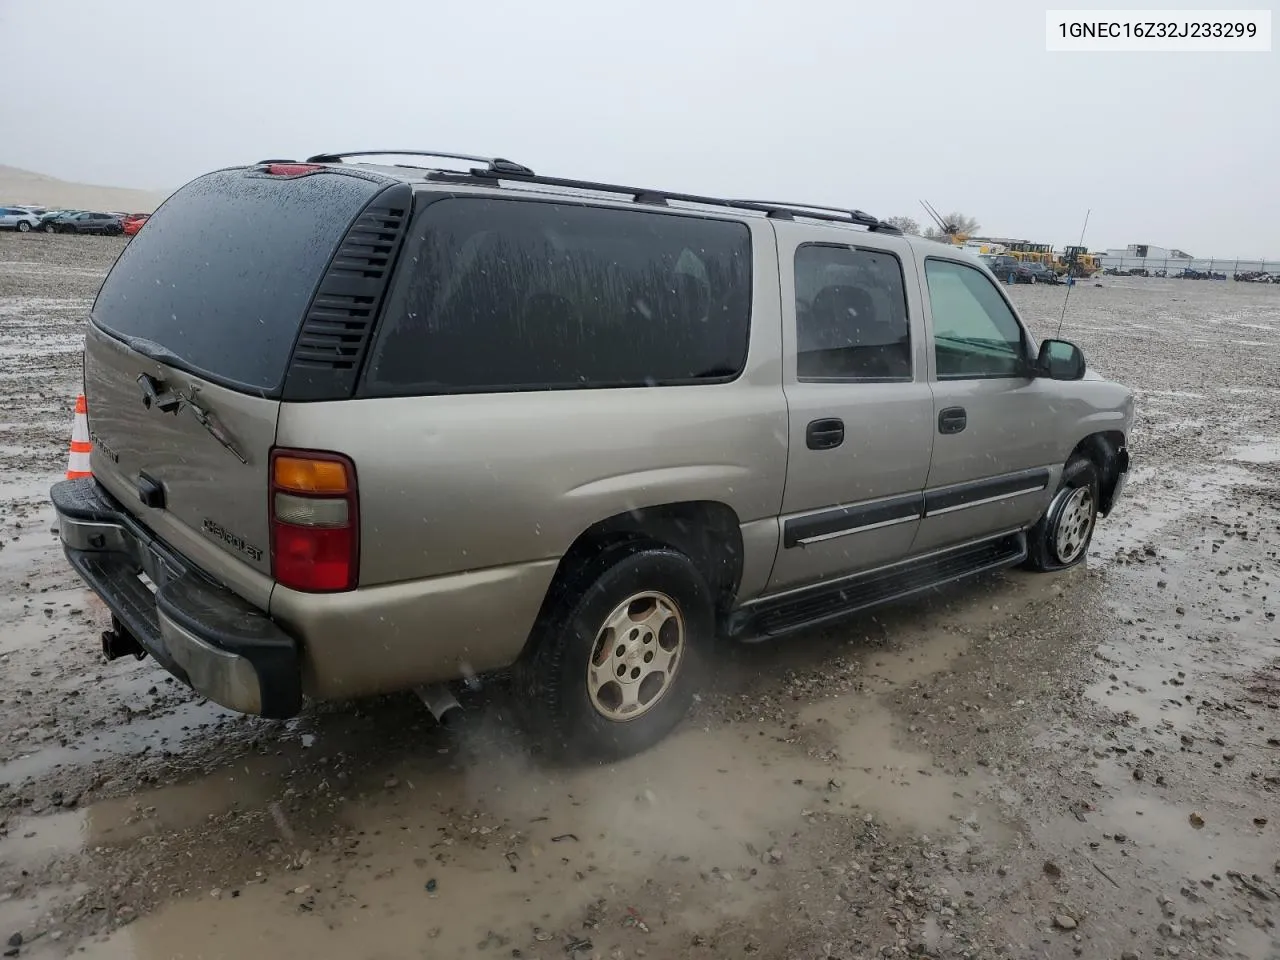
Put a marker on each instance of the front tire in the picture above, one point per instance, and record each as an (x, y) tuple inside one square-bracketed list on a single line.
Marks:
[(1061, 537), (23, 226), (613, 666), (50, 228)]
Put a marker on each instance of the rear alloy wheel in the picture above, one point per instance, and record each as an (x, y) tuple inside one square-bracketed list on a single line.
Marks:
[(50, 228), (1061, 538), (613, 664), (636, 656)]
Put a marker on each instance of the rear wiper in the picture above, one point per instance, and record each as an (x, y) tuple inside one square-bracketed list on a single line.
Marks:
[(152, 350), (167, 400), (210, 423)]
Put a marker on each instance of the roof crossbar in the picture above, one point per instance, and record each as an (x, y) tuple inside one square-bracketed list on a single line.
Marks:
[(802, 209), (492, 164)]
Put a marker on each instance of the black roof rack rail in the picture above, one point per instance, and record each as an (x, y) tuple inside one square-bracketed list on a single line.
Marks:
[(813, 210), (496, 168), (492, 164), (660, 197)]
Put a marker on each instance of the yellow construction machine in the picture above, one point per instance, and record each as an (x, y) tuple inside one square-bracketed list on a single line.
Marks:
[(1078, 262), (1029, 252)]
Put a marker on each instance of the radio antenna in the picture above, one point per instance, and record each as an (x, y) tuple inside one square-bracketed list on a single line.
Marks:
[(1070, 278)]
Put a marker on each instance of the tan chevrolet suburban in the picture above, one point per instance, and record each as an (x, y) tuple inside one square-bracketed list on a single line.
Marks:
[(360, 427)]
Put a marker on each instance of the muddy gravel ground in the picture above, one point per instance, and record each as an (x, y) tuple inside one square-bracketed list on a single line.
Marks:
[(1031, 766)]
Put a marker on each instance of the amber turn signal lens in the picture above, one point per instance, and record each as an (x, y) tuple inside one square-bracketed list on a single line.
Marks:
[(299, 475)]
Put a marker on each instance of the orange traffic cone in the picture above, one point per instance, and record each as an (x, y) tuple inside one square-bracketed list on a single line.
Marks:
[(78, 462)]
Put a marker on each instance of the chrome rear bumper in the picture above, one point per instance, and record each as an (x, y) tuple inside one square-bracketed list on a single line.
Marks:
[(205, 635)]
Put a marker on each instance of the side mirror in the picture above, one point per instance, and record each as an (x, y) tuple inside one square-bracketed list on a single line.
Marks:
[(1060, 360)]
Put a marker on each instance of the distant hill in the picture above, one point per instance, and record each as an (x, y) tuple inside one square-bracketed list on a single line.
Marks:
[(35, 189)]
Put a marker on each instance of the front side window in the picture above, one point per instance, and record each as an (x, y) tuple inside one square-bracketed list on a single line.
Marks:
[(494, 295), (975, 334), (851, 315)]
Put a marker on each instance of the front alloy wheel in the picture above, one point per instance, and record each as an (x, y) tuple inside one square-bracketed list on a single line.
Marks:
[(1076, 518), (1061, 537)]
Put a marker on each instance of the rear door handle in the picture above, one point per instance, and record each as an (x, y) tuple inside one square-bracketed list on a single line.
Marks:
[(824, 434), (952, 420)]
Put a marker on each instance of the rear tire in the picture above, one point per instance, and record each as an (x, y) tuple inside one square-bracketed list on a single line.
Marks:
[(1061, 537), (50, 228), (613, 666)]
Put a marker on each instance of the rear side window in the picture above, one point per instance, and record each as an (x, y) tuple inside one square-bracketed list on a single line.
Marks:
[(223, 274), (851, 315), (495, 295)]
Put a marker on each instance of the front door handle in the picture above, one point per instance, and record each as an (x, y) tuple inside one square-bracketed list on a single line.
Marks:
[(824, 434), (952, 420)]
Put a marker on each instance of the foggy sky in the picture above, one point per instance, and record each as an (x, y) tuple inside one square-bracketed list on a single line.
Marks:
[(849, 102)]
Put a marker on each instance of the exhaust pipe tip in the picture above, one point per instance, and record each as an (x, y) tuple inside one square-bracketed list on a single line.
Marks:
[(444, 706)]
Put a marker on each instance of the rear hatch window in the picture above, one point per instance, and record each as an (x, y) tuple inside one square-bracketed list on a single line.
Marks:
[(219, 282)]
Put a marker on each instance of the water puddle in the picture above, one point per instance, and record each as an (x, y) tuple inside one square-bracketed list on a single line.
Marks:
[(1260, 450), (872, 772), (30, 912), (497, 849), (171, 730), (1152, 504), (475, 842), (1164, 832)]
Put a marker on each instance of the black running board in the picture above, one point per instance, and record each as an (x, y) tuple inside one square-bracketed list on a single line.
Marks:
[(825, 602)]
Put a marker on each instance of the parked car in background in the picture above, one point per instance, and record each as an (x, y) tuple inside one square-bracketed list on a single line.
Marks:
[(18, 218), (1008, 269), (1041, 273), (133, 223), (47, 219), (87, 222)]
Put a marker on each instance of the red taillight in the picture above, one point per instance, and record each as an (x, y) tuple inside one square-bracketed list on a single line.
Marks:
[(315, 523), (292, 169), (314, 560)]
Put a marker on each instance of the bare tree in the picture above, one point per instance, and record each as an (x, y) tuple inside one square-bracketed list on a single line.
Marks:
[(906, 224)]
